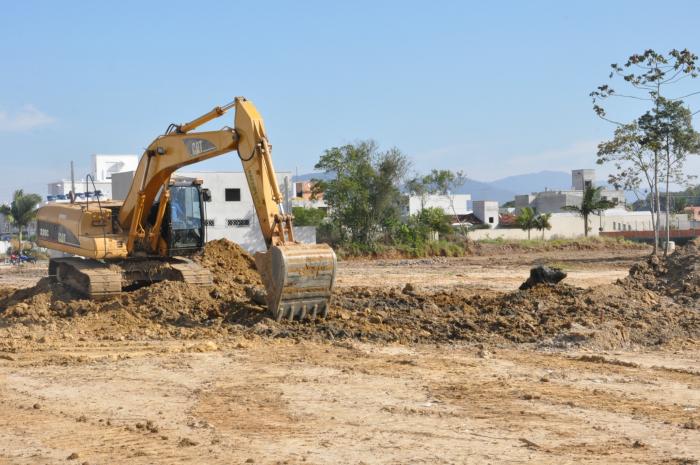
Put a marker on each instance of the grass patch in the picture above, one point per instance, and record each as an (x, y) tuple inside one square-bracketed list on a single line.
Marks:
[(460, 248), (440, 248), (582, 243)]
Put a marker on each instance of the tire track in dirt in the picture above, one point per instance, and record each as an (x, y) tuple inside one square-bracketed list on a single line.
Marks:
[(99, 425)]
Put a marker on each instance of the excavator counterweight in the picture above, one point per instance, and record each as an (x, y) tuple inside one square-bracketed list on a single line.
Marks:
[(119, 245)]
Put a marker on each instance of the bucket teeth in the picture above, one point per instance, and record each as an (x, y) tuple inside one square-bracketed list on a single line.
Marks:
[(300, 312)]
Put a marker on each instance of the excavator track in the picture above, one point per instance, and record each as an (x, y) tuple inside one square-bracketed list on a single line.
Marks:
[(192, 273), (88, 277), (97, 280)]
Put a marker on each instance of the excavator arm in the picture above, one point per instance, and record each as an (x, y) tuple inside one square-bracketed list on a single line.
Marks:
[(298, 277), (180, 148)]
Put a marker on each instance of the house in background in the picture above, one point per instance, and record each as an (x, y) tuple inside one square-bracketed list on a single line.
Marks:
[(451, 204), (556, 201), (487, 212), (693, 213), (303, 196), (103, 167)]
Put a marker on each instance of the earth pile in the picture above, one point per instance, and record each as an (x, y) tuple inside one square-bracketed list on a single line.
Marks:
[(656, 304)]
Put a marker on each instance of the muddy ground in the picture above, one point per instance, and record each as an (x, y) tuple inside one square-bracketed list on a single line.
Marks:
[(456, 367)]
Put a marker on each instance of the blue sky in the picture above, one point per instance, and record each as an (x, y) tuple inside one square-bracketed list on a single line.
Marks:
[(493, 88)]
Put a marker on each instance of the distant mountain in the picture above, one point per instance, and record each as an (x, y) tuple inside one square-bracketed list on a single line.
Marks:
[(309, 176), (485, 191), (534, 182), (502, 190)]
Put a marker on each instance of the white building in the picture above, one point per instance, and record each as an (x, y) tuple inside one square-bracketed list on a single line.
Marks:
[(303, 195), (121, 183), (455, 204), (623, 220), (582, 179), (555, 201), (230, 214), (103, 166), (487, 212), (570, 225)]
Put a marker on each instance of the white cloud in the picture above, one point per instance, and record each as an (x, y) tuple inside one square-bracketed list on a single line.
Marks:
[(28, 117)]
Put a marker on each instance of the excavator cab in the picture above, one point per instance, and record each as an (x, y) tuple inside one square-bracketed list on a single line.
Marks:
[(184, 226)]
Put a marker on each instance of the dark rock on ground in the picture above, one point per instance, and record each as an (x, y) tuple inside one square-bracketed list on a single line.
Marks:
[(543, 275)]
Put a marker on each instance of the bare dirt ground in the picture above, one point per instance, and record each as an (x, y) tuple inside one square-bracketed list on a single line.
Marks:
[(462, 368), (22, 276), (503, 272), (266, 402)]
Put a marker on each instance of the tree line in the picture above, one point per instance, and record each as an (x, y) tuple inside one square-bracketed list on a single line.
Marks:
[(367, 206), (367, 203)]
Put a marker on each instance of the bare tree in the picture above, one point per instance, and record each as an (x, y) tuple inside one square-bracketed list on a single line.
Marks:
[(649, 74)]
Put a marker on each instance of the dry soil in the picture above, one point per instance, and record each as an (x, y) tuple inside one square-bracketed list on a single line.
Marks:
[(420, 361)]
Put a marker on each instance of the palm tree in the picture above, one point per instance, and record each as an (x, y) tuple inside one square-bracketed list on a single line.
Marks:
[(542, 222), (592, 203), (21, 211), (527, 220)]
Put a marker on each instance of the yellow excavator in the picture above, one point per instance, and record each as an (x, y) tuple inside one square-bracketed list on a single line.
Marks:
[(118, 246)]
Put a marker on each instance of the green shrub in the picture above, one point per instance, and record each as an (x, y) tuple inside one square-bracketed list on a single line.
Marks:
[(308, 216)]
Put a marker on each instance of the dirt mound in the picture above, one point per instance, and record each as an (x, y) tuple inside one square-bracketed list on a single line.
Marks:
[(647, 308), (563, 315), (677, 276), (229, 263), (606, 316), (162, 308)]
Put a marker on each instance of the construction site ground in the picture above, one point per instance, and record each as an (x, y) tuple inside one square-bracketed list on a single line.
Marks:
[(438, 360)]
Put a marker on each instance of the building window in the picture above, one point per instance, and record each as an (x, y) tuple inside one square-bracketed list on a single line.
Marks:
[(491, 219), (233, 195), (238, 223), (209, 222)]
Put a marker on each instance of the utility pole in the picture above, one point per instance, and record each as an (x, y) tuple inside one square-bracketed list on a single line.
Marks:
[(72, 177), (72, 183), (287, 200)]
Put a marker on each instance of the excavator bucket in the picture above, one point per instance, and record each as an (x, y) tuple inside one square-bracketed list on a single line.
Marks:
[(298, 279)]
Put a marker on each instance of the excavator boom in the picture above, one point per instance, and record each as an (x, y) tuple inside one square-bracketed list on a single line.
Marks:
[(298, 277)]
